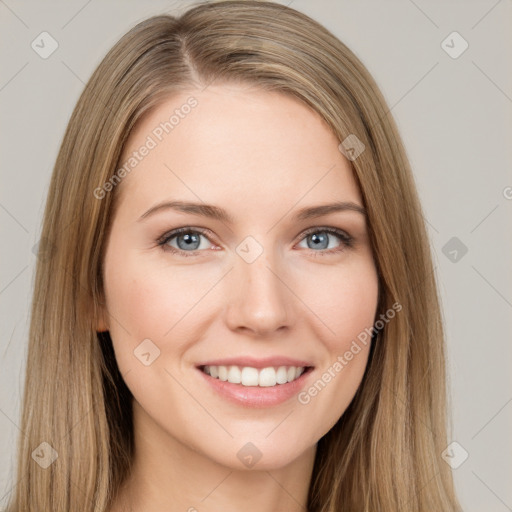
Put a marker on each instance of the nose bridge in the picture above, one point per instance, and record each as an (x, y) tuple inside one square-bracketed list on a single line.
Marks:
[(262, 301)]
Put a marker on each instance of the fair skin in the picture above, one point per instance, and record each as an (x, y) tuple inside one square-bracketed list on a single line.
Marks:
[(262, 157)]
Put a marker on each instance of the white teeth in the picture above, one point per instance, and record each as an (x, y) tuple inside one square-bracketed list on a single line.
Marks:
[(267, 377), (223, 372), (234, 375), (248, 376), (282, 375)]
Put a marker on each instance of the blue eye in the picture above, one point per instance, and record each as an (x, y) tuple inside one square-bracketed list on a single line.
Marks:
[(188, 241), (320, 239)]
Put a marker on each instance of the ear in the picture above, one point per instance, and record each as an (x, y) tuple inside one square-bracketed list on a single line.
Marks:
[(101, 323), (101, 315)]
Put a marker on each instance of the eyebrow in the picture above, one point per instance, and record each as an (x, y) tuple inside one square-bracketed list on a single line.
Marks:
[(215, 212)]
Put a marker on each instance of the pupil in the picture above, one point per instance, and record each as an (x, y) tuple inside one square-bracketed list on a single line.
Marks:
[(319, 240), (190, 239)]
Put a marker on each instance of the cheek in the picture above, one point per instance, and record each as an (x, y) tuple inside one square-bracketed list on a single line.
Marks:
[(147, 299), (346, 308), (343, 300)]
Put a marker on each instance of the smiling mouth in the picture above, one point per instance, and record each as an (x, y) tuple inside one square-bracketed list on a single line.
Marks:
[(256, 377)]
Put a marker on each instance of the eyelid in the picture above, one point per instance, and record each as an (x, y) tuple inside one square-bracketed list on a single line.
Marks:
[(186, 229), (328, 229)]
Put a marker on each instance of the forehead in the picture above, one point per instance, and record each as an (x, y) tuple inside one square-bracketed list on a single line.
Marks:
[(234, 141)]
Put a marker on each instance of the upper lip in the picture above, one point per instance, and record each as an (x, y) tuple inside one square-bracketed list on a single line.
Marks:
[(255, 362)]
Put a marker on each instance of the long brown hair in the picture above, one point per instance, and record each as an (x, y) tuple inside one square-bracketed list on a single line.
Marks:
[(384, 454)]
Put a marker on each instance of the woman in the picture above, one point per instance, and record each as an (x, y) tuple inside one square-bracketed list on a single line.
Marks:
[(259, 369)]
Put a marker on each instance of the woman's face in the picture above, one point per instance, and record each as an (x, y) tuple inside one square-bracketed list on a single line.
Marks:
[(260, 282)]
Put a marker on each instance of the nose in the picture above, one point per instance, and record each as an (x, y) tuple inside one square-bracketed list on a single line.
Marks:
[(261, 301)]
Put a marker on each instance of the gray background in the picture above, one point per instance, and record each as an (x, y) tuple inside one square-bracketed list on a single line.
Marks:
[(454, 116)]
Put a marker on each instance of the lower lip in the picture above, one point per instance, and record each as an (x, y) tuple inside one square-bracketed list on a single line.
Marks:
[(256, 396)]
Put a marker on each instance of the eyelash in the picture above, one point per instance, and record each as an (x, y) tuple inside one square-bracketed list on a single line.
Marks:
[(346, 239)]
